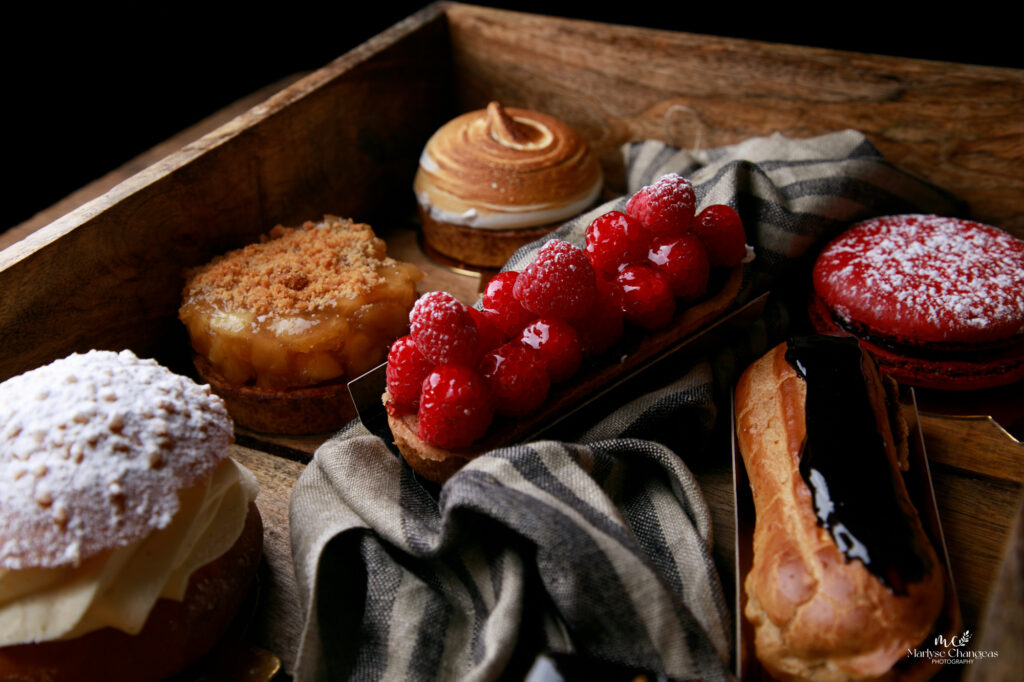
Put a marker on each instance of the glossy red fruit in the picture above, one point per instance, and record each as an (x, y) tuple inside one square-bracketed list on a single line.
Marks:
[(665, 207), (603, 324), (444, 330), (517, 379), (647, 299), (511, 316), (406, 370), (488, 327), (683, 262), (556, 343), (616, 239), (720, 229), (558, 283), (456, 407)]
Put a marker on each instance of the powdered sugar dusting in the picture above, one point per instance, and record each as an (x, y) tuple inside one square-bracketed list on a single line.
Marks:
[(926, 278), (93, 451), (443, 329), (559, 282), (665, 207), (670, 189)]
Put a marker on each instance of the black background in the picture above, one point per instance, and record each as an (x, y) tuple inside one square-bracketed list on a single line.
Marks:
[(86, 90)]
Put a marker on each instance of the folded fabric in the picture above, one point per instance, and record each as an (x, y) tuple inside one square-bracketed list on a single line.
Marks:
[(793, 195), (600, 547)]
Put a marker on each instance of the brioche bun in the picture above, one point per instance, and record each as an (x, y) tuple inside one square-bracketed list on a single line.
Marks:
[(106, 458)]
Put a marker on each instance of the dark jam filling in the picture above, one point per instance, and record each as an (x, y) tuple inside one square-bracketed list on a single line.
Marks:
[(845, 465), (932, 351)]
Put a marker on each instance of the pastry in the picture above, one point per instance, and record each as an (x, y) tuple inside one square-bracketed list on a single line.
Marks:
[(938, 301), (279, 327), (492, 180), (130, 538), (844, 581), (468, 380)]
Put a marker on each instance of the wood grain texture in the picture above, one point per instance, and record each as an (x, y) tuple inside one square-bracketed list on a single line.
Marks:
[(977, 514), (976, 445), (277, 624), (961, 127), (1003, 628), (141, 162), (344, 140)]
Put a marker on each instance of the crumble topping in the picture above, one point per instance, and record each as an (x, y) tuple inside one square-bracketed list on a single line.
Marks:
[(293, 271)]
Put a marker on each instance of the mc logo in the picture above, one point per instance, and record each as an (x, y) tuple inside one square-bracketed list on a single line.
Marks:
[(953, 641)]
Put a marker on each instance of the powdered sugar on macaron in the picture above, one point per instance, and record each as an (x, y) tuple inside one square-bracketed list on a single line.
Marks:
[(925, 279)]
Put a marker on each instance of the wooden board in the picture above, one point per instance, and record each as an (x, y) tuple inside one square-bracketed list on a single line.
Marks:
[(958, 126), (346, 138)]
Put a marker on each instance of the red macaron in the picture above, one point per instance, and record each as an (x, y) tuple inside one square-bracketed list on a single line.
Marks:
[(938, 301)]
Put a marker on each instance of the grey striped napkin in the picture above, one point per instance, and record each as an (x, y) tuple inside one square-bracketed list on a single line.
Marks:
[(600, 547)]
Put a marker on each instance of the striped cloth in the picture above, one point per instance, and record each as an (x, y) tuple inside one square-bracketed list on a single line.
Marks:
[(599, 547)]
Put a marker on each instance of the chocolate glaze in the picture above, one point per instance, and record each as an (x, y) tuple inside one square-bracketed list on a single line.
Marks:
[(845, 465)]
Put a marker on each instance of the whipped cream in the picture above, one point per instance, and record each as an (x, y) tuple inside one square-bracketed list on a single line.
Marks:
[(119, 588)]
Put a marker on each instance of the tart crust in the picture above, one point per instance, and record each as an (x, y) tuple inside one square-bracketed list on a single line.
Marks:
[(438, 464), (312, 409)]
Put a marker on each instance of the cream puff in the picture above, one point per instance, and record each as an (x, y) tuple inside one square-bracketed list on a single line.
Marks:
[(130, 538)]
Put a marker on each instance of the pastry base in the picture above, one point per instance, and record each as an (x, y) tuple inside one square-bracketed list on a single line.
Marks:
[(176, 634), (438, 464), (316, 409), (476, 247)]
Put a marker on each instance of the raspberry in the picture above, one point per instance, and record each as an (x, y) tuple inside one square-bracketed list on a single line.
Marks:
[(456, 407), (616, 239), (602, 326), (720, 229), (487, 325), (666, 207), (498, 297), (406, 370), (647, 298), (683, 262), (516, 377), (557, 345), (558, 283), (444, 330)]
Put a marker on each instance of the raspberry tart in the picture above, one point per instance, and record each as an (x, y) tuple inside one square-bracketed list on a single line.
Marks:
[(494, 179), (279, 327), (547, 338), (938, 301)]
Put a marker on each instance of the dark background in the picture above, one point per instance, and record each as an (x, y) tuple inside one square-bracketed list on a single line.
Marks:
[(87, 91)]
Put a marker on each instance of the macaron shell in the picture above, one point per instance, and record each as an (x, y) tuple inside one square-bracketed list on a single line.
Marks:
[(948, 374), (921, 279)]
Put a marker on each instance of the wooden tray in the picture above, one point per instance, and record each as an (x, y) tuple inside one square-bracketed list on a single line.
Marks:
[(345, 140)]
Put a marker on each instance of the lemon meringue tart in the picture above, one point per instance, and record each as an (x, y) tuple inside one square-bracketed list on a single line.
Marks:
[(494, 179)]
